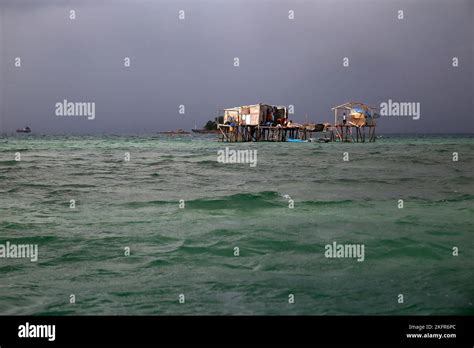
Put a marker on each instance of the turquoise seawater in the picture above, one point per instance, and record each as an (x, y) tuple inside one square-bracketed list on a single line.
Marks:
[(190, 251)]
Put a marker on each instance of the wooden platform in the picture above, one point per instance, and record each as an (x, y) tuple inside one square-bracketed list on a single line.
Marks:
[(352, 133), (335, 133)]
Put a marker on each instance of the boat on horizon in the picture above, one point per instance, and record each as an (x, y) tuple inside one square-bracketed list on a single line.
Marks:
[(24, 130)]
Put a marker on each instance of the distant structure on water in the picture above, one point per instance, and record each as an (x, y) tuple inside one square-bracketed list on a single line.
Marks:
[(175, 132), (263, 122), (209, 128), (351, 120), (24, 130)]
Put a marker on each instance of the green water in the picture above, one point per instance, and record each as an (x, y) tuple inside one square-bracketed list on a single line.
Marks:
[(190, 251)]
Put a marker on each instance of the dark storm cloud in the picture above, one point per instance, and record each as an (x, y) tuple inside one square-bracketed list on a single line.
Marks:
[(190, 62)]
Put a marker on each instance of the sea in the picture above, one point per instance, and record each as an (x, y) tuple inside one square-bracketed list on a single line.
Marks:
[(156, 225)]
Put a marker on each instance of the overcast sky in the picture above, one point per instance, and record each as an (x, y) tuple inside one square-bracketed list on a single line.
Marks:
[(191, 61)]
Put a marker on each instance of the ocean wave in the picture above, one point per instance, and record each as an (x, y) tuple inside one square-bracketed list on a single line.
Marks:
[(8, 163), (461, 198), (322, 203), (428, 202), (59, 192), (157, 263), (30, 184), (138, 204), (15, 150), (12, 190), (77, 185), (11, 268), (406, 247), (245, 201), (27, 240), (242, 201), (162, 162)]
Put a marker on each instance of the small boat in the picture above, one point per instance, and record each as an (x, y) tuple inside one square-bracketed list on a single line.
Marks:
[(24, 130), (291, 140), (319, 140)]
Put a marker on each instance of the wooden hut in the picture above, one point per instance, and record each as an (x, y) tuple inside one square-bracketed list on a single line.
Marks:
[(351, 120)]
